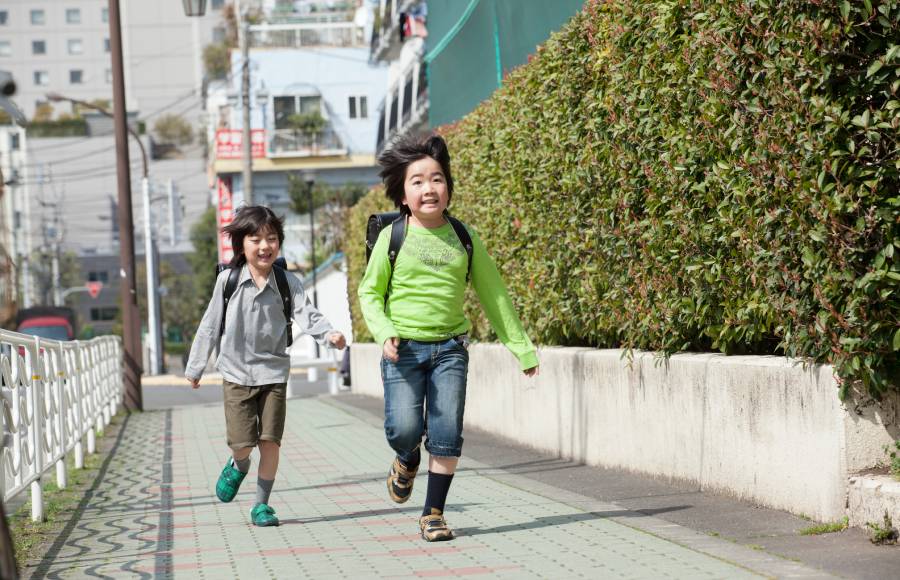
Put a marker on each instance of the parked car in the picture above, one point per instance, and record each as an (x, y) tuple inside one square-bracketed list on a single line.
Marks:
[(53, 322)]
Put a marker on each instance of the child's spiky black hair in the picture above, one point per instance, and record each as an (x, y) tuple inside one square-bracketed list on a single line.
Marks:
[(402, 153)]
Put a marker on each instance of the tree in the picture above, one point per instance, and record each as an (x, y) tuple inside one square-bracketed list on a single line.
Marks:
[(216, 60), (173, 129), (204, 237), (43, 113), (310, 124), (178, 303), (42, 274), (331, 205)]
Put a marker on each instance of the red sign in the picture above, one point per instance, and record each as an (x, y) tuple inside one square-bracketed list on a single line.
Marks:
[(229, 143), (93, 288), (224, 216)]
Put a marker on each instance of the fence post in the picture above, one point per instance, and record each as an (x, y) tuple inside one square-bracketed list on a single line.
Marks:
[(61, 411), (75, 375), (37, 416)]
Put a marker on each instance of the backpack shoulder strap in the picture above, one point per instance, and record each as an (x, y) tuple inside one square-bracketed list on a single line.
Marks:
[(398, 234), (286, 301), (465, 239), (227, 292)]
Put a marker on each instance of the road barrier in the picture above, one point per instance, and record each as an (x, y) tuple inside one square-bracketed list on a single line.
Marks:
[(53, 395)]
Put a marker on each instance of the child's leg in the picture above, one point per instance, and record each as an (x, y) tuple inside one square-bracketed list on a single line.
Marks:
[(404, 399), (445, 405), (240, 404), (272, 412), (404, 422), (269, 452)]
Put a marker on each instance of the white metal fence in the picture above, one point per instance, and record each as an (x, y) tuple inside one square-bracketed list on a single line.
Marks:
[(52, 395)]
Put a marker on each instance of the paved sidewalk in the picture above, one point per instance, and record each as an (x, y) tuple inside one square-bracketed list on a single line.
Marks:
[(154, 514)]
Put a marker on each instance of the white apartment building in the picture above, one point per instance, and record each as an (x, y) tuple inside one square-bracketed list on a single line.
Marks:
[(63, 46)]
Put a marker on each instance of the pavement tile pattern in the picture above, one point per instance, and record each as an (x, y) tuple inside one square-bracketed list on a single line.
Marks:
[(154, 514)]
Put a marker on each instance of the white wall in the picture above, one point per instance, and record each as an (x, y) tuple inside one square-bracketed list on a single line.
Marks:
[(765, 429)]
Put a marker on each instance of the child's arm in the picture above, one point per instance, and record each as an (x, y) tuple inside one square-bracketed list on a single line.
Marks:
[(373, 289), (311, 321), (498, 306), (207, 335)]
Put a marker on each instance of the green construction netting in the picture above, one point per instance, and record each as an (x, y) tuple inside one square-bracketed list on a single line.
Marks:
[(472, 43)]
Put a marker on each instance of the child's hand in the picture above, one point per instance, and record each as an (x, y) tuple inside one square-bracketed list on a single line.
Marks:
[(390, 349), (337, 340), (533, 371), (195, 383)]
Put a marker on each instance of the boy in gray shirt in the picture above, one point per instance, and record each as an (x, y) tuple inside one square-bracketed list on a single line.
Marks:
[(253, 356)]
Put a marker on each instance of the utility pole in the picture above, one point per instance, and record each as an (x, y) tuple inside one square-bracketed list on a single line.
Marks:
[(152, 303), (53, 239), (246, 146), (173, 239), (25, 223), (131, 318)]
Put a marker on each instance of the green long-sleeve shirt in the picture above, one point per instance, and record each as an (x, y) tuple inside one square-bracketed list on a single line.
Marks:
[(428, 290)]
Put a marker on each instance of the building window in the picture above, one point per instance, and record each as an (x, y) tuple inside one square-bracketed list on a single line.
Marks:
[(218, 34), (105, 45), (101, 276), (359, 107), (38, 47), (76, 76), (75, 46), (73, 15), (104, 14), (4, 17), (5, 48), (104, 313), (217, 4), (109, 76), (41, 78), (284, 107), (37, 17)]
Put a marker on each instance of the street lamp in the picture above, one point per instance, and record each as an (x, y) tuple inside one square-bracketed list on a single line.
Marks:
[(309, 178), (194, 7), (153, 332)]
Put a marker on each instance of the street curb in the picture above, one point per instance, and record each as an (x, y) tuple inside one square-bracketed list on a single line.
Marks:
[(755, 561)]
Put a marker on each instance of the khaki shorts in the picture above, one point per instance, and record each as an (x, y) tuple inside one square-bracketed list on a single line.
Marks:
[(254, 414)]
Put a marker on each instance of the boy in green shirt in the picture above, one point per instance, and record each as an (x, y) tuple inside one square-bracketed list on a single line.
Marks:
[(416, 314)]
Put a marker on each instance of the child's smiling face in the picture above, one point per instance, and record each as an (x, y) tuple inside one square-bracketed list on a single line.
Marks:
[(261, 249), (425, 191)]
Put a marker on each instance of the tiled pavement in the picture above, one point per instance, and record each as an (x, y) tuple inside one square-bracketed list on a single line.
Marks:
[(154, 514)]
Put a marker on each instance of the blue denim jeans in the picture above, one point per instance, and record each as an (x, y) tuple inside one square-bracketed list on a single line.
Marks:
[(425, 394)]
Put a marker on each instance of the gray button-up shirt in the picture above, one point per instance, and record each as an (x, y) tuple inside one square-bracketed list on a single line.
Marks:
[(253, 350)]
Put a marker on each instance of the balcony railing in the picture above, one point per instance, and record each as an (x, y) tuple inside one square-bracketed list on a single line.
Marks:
[(294, 143), (309, 34), (406, 104)]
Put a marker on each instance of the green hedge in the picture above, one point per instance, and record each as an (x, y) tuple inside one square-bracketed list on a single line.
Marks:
[(61, 128), (699, 176)]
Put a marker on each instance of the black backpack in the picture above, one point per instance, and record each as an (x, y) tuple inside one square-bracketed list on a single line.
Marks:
[(379, 221), (279, 266)]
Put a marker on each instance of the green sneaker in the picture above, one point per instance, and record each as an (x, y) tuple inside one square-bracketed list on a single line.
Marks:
[(263, 516), (229, 482)]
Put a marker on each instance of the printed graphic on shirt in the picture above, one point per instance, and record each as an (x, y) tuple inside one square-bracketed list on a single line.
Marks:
[(437, 251)]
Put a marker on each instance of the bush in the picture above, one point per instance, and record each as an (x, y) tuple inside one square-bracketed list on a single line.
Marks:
[(700, 176), (173, 129), (73, 127)]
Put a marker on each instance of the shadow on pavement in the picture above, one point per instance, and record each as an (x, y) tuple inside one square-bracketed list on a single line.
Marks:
[(546, 521)]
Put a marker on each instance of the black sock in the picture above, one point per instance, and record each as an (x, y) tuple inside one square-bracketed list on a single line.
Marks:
[(438, 487)]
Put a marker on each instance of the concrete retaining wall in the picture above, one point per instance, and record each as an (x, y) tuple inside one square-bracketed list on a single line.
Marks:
[(765, 429)]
